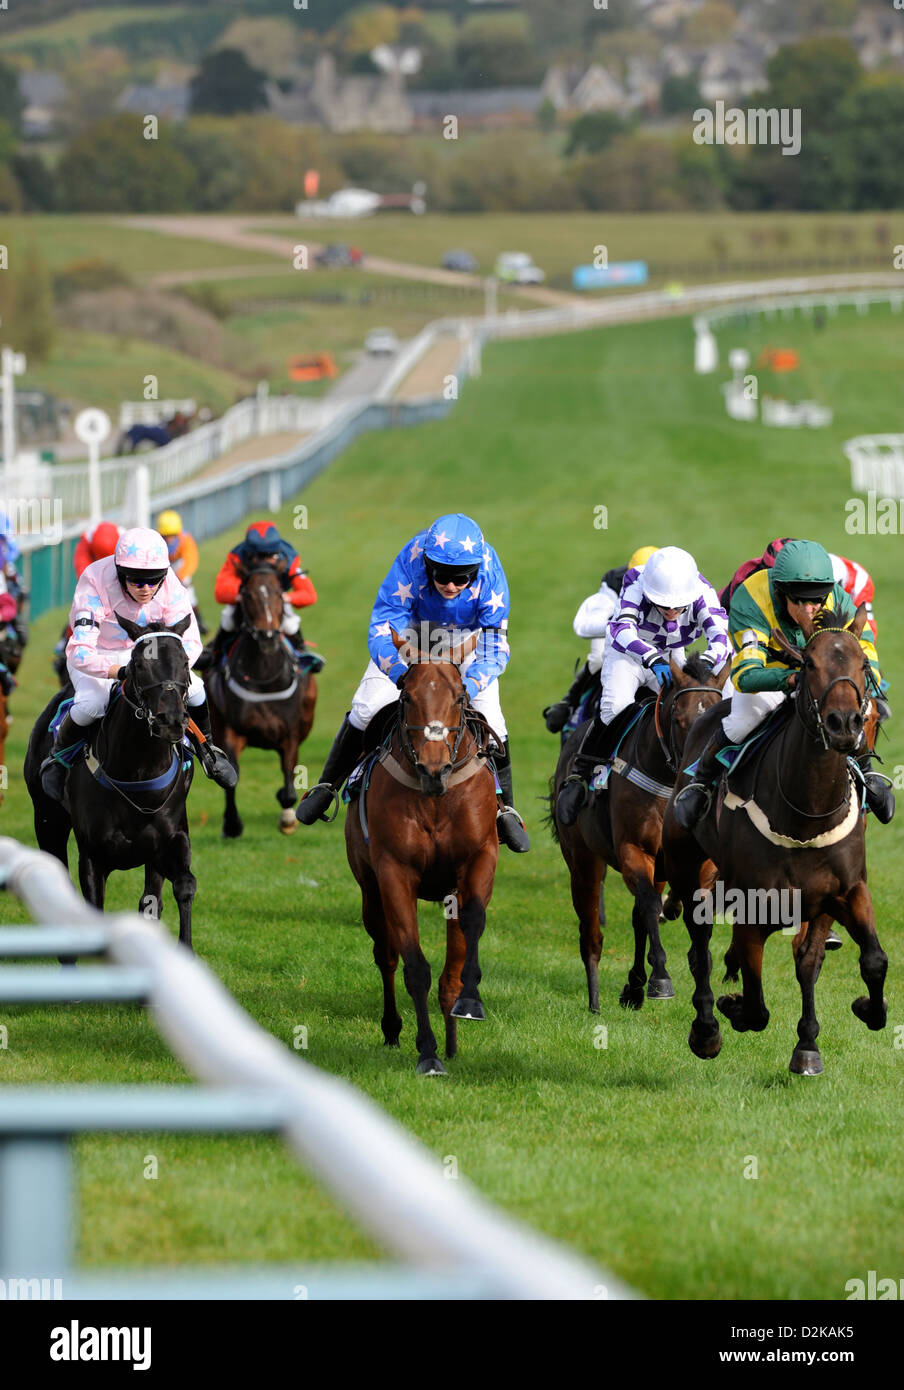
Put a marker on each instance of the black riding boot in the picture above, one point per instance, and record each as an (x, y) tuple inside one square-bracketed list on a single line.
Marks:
[(70, 737), (342, 759), (692, 802), (879, 796), (212, 759), (575, 789), (211, 654), (509, 825), (556, 715), (307, 660)]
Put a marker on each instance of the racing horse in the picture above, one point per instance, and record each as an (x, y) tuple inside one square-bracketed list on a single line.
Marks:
[(426, 828), (623, 826), (126, 800), (789, 819), (258, 696)]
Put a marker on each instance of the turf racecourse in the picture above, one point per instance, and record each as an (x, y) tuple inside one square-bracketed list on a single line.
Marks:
[(635, 1153)]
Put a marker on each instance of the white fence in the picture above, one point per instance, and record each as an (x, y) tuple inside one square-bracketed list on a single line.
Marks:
[(395, 1188), (152, 412)]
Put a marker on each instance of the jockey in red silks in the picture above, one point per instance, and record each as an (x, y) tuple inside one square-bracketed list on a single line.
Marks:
[(264, 545), (137, 583)]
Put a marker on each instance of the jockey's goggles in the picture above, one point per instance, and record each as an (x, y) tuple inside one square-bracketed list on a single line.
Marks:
[(805, 593), (452, 574), (140, 578)]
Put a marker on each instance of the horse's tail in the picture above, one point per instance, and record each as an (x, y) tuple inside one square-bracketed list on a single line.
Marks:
[(550, 817)]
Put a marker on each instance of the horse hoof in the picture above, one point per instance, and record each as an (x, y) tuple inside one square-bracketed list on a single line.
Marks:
[(863, 1009), (468, 1008), (232, 832), (287, 823), (631, 998), (660, 989), (805, 1063), (705, 1047), (431, 1066)]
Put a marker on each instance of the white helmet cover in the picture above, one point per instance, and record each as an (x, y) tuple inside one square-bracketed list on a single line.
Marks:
[(670, 578)]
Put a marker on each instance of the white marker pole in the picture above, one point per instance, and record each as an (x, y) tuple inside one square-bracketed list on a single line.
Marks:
[(12, 364), (92, 428)]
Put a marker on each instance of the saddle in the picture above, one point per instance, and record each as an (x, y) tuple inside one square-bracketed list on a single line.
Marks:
[(614, 732)]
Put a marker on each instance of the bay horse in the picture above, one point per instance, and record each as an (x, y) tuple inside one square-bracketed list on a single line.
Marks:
[(623, 827), (126, 804), (258, 697), (790, 820), (430, 811)]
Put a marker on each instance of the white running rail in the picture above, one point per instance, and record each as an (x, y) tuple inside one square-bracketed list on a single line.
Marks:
[(393, 1186), (877, 463)]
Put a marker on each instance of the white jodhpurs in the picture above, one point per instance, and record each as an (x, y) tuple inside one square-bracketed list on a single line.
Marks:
[(748, 710), (622, 676), (92, 695), (290, 623), (376, 691)]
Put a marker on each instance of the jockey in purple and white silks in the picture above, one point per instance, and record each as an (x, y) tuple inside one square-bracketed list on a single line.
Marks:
[(137, 583), (662, 609), (592, 622), (448, 577)]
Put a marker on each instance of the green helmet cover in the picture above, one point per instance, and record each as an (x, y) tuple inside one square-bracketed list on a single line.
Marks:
[(803, 569)]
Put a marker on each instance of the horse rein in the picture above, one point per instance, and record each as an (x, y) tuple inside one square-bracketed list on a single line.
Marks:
[(669, 752), (139, 707), (434, 732), (818, 734)]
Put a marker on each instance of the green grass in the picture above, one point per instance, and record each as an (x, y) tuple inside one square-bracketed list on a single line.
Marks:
[(633, 1154), (64, 238), (101, 370), (674, 244)]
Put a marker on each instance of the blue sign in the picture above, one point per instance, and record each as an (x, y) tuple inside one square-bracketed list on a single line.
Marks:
[(588, 277)]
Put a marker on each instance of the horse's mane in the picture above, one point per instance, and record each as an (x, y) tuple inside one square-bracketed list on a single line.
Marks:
[(827, 619), (698, 669)]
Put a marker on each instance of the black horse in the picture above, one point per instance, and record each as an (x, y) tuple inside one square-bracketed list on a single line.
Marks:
[(258, 697), (126, 800)]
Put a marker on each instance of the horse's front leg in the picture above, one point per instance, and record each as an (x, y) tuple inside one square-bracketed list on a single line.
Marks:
[(232, 745), (386, 957), (286, 796), (638, 870), (587, 872), (857, 914), (177, 868), (809, 954), (475, 887), (398, 891), (746, 1011), (151, 904), (92, 877)]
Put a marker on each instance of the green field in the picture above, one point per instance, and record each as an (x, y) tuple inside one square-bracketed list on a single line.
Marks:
[(75, 31), (66, 238), (634, 1154), (704, 247)]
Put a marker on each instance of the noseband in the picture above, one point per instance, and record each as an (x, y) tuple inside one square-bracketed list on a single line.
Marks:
[(434, 732), (139, 706), (806, 700)]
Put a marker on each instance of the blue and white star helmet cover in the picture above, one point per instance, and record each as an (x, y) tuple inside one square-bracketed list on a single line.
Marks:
[(454, 539)]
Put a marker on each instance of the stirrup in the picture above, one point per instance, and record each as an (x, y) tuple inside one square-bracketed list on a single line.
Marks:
[(514, 833), (685, 818)]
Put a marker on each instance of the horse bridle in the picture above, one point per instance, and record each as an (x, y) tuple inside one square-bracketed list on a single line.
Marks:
[(669, 751), (818, 733), (433, 731), (139, 706), (258, 633)]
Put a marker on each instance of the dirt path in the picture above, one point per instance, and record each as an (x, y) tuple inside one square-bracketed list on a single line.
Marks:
[(234, 231)]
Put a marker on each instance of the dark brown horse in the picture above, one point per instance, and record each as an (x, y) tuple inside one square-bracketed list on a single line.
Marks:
[(789, 822), (258, 696), (623, 827), (431, 818)]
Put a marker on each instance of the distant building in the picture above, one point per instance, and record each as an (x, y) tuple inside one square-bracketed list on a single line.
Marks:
[(321, 96), (484, 106), (580, 89), (878, 36), (146, 99), (44, 95)]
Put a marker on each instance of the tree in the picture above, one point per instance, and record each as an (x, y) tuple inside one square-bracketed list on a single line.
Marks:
[(680, 94), (814, 75), (365, 28), (226, 84), (714, 22), (867, 118), (111, 167), (594, 131), (496, 51), (35, 181), (11, 102)]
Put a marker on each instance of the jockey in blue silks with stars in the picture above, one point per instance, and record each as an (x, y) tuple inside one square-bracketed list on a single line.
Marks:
[(445, 577)]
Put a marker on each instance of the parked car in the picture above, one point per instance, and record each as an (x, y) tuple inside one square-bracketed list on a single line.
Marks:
[(460, 260), (518, 268), (381, 342), (338, 254)]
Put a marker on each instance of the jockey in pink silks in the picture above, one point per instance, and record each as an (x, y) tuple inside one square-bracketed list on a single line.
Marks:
[(137, 583)]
